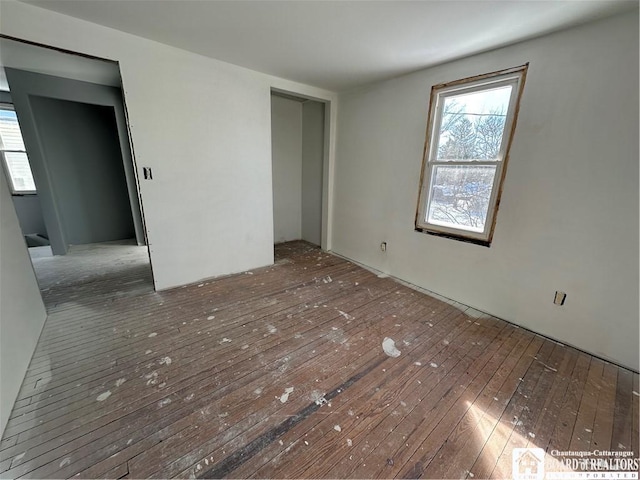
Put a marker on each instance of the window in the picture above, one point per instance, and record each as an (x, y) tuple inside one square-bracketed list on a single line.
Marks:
[(469, 131), (14, 156)]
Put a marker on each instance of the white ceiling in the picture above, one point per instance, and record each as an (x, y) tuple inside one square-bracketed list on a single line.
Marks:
[(337, 45)]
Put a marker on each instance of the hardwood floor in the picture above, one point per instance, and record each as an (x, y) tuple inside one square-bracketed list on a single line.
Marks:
[(280, 373)]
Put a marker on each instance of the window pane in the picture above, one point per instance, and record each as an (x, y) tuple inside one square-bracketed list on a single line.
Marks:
[(473, 124), (460, 196), (20, 171), (10, 135)]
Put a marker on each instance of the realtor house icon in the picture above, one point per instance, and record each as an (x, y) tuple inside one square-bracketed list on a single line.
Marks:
[(528, 463)]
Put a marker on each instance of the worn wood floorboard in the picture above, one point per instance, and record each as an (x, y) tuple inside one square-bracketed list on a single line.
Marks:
[(603, 421), (622, 418), (280, 373), (460, 452), (369, 387), (370, 408), (177, 346)]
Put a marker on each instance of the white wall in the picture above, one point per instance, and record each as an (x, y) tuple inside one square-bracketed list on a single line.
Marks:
[(312, 167), (22, 312), (569, 214), (29, 213), (209, 144), (85, 166), (286, 148)]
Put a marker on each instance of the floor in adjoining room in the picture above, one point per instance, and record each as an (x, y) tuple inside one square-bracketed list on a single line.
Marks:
[(280, 372), (88, 272)]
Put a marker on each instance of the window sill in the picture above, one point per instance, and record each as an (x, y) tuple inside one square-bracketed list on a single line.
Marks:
[(460, 238)]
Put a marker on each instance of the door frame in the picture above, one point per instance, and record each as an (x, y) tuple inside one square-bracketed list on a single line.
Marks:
[(329, 102)]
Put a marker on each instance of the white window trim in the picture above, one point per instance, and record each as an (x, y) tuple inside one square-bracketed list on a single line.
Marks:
[(514, 77), (5, 165)]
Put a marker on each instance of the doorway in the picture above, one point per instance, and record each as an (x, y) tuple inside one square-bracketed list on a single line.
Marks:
[(298, 157), (84, 184)]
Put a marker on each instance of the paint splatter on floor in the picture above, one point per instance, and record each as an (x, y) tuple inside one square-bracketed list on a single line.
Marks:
[(18, 457), (211, 317), (64, 462), (272, 329), (389, 347), (225, 340), (345, 315), (120, 381), (433, 365), (152, 378), (417, 364), (285, 396), (103, 396), (153, 334), (318, 397), (164, 402), (337, 428), (165, 361)]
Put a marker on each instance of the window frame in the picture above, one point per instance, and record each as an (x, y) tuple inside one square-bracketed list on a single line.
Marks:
[(439, 93), (5, 164)]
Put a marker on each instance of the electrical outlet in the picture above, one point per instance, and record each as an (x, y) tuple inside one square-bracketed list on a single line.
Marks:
[(383, 246), (559, 298)]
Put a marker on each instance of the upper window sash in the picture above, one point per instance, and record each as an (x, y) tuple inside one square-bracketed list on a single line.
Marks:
[(512, 80)]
